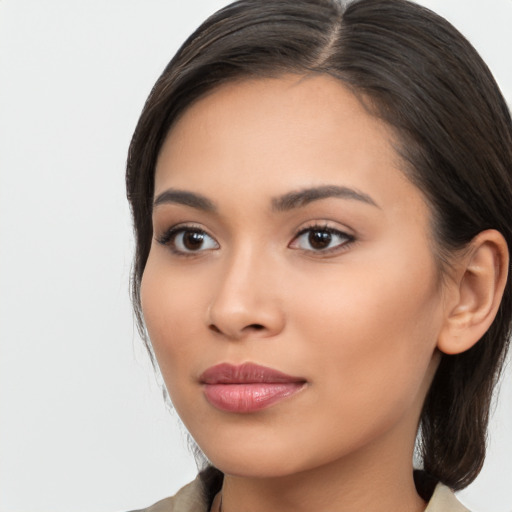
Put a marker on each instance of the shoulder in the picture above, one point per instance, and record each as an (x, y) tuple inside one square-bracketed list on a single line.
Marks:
[(443, 500), (191, 499), (188, 499)]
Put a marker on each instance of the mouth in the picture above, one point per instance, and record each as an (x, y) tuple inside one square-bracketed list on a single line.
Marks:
[(248, 387)]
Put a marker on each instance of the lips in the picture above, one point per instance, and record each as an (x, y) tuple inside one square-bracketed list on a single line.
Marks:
[(247, 387)]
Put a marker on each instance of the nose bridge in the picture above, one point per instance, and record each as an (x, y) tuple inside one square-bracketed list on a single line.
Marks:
[(245, 301)]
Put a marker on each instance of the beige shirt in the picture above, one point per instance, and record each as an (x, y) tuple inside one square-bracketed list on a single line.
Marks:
[(190, 499)]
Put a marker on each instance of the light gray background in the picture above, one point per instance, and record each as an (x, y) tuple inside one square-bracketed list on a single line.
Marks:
[(82, 423)]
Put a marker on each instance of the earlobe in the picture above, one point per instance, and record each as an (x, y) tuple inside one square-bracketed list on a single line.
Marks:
[(481, 276)]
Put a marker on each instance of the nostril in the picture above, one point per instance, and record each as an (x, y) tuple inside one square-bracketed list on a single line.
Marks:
[(253, 327), (256, 327)]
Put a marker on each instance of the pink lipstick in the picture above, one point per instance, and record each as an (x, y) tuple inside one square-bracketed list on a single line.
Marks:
[(247, 387)]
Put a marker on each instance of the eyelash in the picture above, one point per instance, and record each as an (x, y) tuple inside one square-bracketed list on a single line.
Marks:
[(168, 238), (324, 228)]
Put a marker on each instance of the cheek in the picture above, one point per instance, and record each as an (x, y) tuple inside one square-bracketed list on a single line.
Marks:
[(174, 316), (379, 329)]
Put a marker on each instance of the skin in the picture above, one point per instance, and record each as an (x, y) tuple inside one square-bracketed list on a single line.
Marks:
[(360, 321)]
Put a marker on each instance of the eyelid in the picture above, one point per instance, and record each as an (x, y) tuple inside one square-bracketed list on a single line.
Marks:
[(323, 227), (168, 236), (167, 233)]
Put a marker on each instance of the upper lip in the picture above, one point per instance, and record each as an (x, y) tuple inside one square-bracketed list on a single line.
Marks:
[(247, 373)]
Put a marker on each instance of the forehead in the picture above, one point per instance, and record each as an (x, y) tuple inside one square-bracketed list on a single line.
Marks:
[(315, 102), (281, 133)]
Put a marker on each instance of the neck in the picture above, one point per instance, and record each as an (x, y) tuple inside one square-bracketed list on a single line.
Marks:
[(375, 479)]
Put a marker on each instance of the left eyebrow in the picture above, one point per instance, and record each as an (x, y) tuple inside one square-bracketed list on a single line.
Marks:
[(308, 195)]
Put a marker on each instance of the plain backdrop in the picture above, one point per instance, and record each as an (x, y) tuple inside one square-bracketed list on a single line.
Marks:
[(83, 427)]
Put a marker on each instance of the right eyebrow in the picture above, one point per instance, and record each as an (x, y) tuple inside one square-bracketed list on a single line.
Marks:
[(192, 199)]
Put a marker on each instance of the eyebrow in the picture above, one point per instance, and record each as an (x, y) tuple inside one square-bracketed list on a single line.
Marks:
[(192, 199), (282, 203), (303, 197)]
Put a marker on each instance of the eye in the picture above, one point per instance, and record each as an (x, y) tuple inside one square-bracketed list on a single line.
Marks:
[(187, 240), (321, 239)]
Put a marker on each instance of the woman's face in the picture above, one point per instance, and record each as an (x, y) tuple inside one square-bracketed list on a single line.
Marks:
[(286, 236)]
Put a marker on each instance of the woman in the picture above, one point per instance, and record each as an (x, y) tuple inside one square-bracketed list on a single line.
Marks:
[(321, 201)]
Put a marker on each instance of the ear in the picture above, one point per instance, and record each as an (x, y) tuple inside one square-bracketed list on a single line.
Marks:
[(475, 292)]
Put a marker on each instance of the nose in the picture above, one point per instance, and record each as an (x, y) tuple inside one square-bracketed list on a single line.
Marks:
[(246, 301)]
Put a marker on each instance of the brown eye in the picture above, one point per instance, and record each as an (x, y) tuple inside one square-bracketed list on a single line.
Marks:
[(183, 240), (192, 240), (321, 239)]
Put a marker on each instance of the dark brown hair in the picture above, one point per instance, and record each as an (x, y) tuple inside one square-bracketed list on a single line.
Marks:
[(414, 70)]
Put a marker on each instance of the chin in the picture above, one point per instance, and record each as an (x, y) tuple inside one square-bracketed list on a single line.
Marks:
[(263, 467), (249, 461)]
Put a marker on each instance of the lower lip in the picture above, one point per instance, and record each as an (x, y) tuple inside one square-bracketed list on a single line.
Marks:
[(249, 397)]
